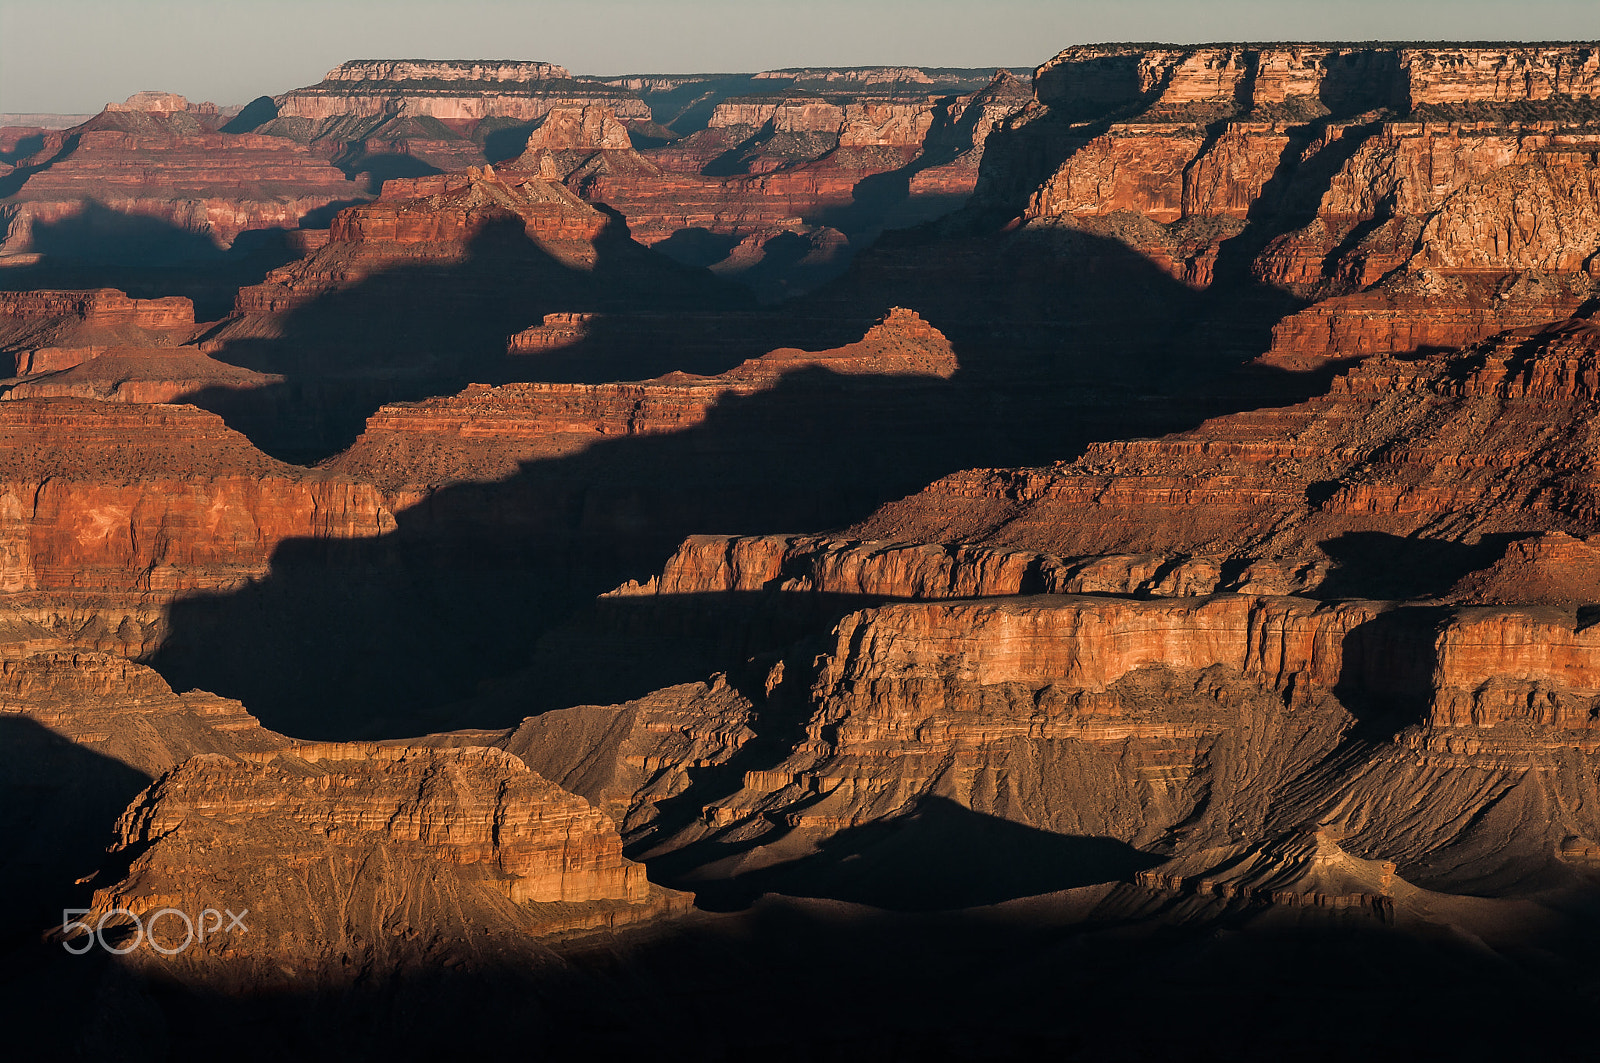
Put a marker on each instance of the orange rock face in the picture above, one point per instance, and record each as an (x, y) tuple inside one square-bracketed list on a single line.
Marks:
[(171, 164), (485, 433), (532, 839), (1452, 459), (1439, 218), (48, 330), (106, 516), (491, 852)]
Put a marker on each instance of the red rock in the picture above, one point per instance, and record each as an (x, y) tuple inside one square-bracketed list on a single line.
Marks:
[(425, 219), (152, 158), (1450, 455), (1467, 74), (1480, 198), (486, 433), (48, 330), (464, 840), (110, 510), (133, 374)]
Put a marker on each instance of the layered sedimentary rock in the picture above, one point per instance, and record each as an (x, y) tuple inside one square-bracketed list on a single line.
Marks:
[(628, 759), (787, 163), (112, 707), (431, 219), (1439, 217), (1553, 568), (1449, 74), (132, 374), (465, 841), (1182, 726), (485, 433), (152, 159), (1447, 448), (418, 293), (1325, 659), (449, 89), (683, 103), (41, 331), (84, 731), (112, 509), (403, 117)]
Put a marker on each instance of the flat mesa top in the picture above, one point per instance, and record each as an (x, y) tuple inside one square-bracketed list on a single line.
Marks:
[(452, 69)]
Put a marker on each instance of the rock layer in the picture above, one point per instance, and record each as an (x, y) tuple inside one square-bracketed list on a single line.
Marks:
[(171, 165)]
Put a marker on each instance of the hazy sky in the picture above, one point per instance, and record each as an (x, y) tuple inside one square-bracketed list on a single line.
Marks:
[(73, 56)]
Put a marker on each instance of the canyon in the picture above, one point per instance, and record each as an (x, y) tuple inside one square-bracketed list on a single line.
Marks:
[(992, 556)]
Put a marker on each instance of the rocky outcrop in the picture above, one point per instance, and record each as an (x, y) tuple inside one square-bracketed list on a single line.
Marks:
[(1185, 724), (1452, 74), (84, 732), (629, 759), (1306, 869), (1445, 448), (592, 128), (1097, 717), (110, 510), (43, 331), (486, 432), (464, 840), (479, 809), (1440, 216), (402, 70), (433, 219), (131, 374), (768, 165), (450, 210), (154, 159), (1553, 568), (112, 707)]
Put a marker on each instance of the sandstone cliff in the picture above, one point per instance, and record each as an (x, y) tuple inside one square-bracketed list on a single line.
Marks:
[(1401, 164), (161, 161), (43, 331), (466, 841), (1447, 449)]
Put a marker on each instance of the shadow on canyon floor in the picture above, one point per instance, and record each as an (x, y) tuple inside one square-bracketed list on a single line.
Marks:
[(58, 802), (1060, 343), (940, 856), (416, 330), (147, 258), (1121, 975), (1381, 565)]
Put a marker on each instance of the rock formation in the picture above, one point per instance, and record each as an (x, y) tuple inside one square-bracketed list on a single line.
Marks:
[(158, 157), (111, 509), (485, 433), (447, 89), (1453, 459), (784, 162), (1398, 172), (387, 117), (42, 331)]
